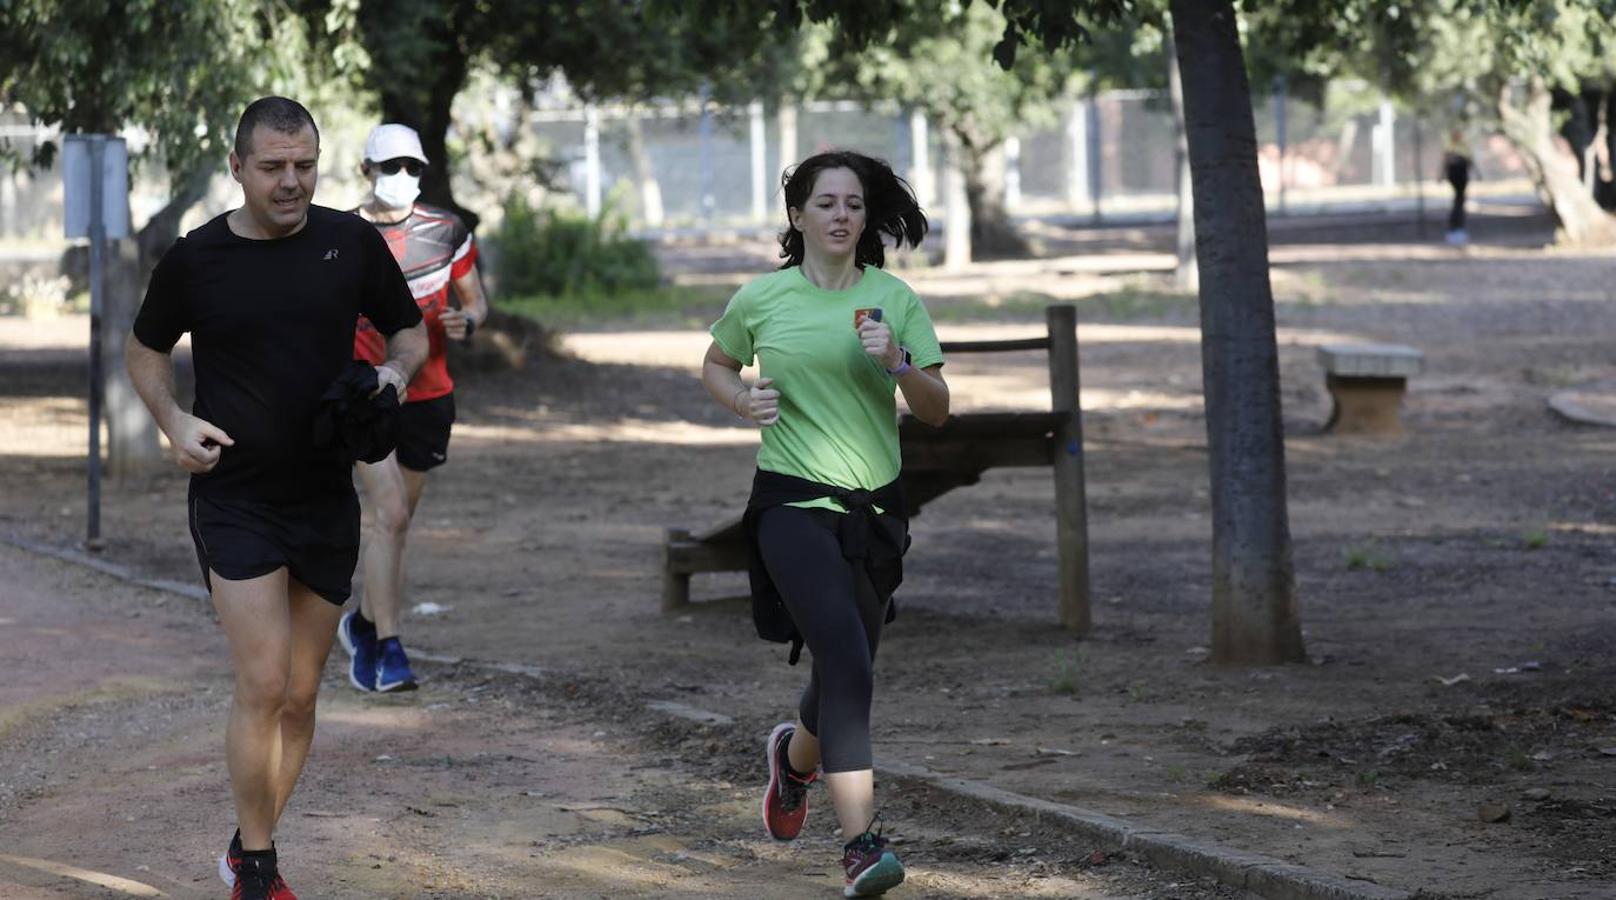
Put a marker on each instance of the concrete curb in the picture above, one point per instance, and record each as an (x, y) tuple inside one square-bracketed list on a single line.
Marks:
[(1588, 404), (1264, 876)]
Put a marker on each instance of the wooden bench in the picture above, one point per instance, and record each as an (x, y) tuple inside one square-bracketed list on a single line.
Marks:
[(1366, 383), (938, 460)]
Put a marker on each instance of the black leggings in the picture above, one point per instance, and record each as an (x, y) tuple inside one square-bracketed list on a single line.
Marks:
[(1459, 177), (839, 615)]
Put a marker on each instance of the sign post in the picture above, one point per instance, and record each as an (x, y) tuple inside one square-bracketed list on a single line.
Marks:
[(95, 180)]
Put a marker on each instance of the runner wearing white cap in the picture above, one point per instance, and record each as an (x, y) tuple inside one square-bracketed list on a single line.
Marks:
[(438, 255)]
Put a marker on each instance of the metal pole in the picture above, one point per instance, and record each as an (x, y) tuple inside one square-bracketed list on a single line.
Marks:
[(592, 201), (921, 177), (760, 177), (1419, 179), (1077, 155), (92, 540), (705, 130), (1281, 128), (1096, 164), (1012, 174)]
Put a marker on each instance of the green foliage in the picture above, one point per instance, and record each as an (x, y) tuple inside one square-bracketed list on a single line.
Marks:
[(1368, 555), (182, 71), (565, 254), (673, 305), (1068, 675), (1534, 538)]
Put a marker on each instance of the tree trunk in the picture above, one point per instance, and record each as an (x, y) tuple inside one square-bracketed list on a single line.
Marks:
[(1186, 274), (1254, 609), (402, 104), (1580, 123), (132, 447), (1530, 127), (993, 236), (650, 188)]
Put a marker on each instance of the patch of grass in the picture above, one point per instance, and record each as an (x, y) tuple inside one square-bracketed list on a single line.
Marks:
[(1177, 773), (1068, 675), (1558, 375), (1133, 303), (1367, 555), (1534, 538), (1019, 305), (1519, 760), (1126, 304), (700, 304), (1369, 778)]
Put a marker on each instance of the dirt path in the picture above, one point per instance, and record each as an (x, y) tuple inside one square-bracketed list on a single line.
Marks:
[(111, 737), (1479, 546)]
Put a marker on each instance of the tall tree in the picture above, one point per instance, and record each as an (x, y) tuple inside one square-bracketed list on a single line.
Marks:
[(420, 53), (939, 61), (1503, 59), (1254, 610), (180, 71)]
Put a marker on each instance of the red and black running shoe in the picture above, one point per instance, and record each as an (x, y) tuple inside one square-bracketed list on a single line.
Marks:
[(785, 803), (255, 878)]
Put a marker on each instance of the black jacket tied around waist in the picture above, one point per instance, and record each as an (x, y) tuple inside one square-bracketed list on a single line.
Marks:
[(878, 540)]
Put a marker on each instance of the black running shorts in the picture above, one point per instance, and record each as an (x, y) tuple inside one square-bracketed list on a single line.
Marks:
[(317, 541), (423, 433)]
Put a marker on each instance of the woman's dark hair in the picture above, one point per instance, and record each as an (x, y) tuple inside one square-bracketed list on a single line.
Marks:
[(890, 206)]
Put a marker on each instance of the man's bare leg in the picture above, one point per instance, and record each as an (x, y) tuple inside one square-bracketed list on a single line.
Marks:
[(256, 619), (314, 628), (387, 496)]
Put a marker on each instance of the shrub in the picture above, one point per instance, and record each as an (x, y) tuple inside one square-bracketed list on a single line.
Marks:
[(551, 253)]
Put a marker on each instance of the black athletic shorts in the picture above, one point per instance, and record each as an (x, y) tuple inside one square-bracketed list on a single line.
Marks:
[(316, 540), (423, 433)]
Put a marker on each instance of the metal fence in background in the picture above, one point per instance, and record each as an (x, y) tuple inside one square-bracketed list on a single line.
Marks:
[(695, 166)]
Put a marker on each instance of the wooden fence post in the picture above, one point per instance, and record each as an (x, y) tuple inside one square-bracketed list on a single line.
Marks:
[(1071, 502), (675, 585)]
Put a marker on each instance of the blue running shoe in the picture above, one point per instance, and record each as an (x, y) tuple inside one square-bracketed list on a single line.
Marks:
[(393, 669), (358, 637)]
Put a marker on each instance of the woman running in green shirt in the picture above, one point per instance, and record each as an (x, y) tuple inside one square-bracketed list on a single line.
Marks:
[(832, 334)]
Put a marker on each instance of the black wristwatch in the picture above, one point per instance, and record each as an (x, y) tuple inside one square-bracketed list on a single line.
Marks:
[(471, 328)]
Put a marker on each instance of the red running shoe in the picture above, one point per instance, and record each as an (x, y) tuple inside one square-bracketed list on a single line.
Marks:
[(785, 803), (255, 876)]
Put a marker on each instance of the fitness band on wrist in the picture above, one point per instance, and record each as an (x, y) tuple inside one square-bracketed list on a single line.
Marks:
[(902, 366), (732, 404)]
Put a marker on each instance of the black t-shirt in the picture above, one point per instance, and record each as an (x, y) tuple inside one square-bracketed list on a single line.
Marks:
[(272, 326)]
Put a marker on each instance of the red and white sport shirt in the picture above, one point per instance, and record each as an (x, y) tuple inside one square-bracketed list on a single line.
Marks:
[(434, 248)]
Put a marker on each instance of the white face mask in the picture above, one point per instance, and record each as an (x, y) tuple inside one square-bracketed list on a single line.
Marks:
[(397, 191)]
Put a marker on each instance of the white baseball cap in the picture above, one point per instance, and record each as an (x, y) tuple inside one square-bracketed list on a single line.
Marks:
[(393, 141)]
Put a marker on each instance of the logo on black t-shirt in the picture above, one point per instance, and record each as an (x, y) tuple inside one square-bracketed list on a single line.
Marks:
[(329, 254)]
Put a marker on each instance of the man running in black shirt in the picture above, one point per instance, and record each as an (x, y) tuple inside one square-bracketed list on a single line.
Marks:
[(270, 293)]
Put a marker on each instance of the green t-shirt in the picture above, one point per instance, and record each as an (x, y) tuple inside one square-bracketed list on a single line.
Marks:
[(838, 406)]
